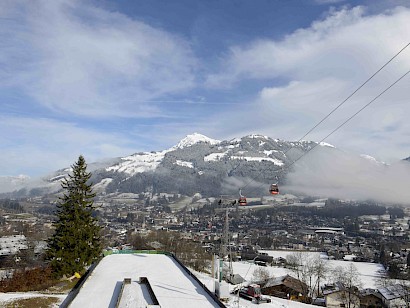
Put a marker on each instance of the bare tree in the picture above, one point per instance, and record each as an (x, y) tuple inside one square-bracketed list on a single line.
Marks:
[(349, 278), (261, 274), (309, 270)]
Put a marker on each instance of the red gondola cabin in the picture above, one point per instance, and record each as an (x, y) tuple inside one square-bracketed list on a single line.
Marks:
[(242, 201), (274, 189)]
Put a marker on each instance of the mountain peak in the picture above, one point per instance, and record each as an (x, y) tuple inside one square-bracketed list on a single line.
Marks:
[(194, 138)]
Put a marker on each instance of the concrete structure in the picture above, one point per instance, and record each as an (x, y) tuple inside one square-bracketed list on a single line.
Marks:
[(141, 280)]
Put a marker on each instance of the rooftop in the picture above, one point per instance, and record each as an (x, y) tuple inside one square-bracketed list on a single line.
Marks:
[(170, 282)]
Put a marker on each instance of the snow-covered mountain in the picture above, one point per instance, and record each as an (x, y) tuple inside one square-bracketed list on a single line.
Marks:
[(194, 139), (149, 161), (199, 164)]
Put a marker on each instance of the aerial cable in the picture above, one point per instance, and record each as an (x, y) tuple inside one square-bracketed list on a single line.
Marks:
[(338, 106), (350, 118), (344, 123), (354, 92)]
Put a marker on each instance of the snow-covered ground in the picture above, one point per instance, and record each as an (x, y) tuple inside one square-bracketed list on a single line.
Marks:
[(12, 296), (369, 273), (234, 301), (172, 286)]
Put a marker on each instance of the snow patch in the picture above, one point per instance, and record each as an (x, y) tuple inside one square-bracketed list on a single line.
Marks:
[(215, 156), (270, 152), (372, 159), (138, 163), (256, 136), (277, 162), (102, 184), (325, 144), (184, 164), (194, 139)]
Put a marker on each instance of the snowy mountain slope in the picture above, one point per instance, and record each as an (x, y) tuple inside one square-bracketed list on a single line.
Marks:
[(149, 161), (194, 139), (198, 164), (201, 164)]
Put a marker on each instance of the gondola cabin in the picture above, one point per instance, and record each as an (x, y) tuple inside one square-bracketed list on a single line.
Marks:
[(242, 201), (274, 189)]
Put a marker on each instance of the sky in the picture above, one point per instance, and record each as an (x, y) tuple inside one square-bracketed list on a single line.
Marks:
[(111, 78)]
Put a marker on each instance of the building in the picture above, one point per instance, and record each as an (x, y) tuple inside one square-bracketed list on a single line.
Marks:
[(370, 298), (141, 280), (337, 295), (285, 287), (395, 296)]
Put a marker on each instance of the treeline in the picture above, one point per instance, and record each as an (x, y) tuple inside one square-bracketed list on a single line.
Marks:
[(183, 182), (188, 251), (11, 205)]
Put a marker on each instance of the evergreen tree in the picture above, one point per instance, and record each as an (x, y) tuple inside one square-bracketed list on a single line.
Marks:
[(76, 242)]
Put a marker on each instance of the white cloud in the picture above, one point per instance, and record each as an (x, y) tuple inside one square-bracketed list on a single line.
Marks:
[(333, 173), (38, 146), (318, 67), (74, 57), (344, 44)]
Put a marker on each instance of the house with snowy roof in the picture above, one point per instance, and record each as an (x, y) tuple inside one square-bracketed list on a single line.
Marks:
[(370, 298), (284, 286), (337, 295), (395, 296)]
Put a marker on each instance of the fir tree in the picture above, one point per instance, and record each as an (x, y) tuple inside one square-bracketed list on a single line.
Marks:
[(75, 243)]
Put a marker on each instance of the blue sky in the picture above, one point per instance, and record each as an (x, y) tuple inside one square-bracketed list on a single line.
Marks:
[(111, 78)]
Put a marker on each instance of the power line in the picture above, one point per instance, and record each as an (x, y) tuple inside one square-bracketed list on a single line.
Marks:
[(351, 117), (338, 106), (342, 124), (354, 92)]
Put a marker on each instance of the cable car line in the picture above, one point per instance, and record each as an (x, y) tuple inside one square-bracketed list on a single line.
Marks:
[(351, 117), (354, 92), (337, 107), (344, 123)]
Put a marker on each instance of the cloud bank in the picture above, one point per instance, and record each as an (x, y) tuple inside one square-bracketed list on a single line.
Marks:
[(310, 71), (338, 174)]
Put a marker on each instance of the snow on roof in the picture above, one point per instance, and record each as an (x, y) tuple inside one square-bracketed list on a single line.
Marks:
[(393, 292), (172, 286)]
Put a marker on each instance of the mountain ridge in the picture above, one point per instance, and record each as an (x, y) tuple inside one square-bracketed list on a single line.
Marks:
[(197, 164)]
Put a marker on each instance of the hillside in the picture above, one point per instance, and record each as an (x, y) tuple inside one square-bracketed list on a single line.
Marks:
[(197, 164)]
